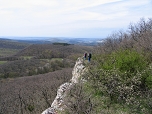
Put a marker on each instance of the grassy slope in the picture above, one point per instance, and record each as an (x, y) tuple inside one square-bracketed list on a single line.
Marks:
[(7, 52)]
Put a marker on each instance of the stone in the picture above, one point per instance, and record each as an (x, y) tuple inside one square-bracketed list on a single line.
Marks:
[(58, 103)]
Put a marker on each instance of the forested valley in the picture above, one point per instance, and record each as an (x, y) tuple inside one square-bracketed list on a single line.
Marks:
[(31, 73), (38, 59)]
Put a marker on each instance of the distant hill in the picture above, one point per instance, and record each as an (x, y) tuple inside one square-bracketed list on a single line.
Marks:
[(29, 57), (10, 47), (12, 44), (50, 40), (43, 51)]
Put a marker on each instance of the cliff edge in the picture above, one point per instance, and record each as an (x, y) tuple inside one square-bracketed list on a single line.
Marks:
[(58, 103)]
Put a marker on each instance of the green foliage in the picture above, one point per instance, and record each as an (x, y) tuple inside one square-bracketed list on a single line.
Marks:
[(115, 88), (149, 81), (120, 75), (147, 77), (119, 80), (26, 57), (7, 52), (64, 44), (30, 108), (2, 62), (124, 60)]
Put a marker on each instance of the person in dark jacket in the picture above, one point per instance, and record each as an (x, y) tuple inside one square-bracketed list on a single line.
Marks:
[(89, 57), (85, 56)]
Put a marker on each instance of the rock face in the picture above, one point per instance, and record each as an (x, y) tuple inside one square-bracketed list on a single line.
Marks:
[(58, 102)]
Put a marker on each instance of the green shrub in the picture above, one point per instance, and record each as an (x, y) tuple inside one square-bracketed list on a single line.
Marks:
[(121, 79), (149, 81), (124, 60), (114, 90), (147, 77), (30, 107)]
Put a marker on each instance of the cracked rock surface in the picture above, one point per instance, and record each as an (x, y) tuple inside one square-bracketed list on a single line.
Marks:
[(58, 102)]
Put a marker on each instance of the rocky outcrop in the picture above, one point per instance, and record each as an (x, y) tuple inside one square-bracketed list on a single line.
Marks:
[(58, 103)]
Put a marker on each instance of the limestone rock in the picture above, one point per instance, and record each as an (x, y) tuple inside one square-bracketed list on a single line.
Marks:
[(58, 102)]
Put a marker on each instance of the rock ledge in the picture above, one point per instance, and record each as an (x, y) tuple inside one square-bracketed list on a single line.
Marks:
[(57, 104)]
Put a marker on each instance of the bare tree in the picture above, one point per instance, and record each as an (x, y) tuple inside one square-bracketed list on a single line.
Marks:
[(77, 101)]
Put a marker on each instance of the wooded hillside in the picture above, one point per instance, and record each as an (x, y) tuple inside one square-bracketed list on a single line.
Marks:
[(10, 44), (54, 51), (32, 94), (40, 59), (119, 77)]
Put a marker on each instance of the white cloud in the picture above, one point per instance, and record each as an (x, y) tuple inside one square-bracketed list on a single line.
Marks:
[(38, 17)]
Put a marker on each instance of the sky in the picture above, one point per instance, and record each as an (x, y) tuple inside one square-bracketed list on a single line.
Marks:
[(70, 18)]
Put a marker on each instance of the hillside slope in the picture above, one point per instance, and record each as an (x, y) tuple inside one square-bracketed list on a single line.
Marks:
[(118, 78), (10, 47), (40, 59), (53, 51), (10, 44), (32, 94)]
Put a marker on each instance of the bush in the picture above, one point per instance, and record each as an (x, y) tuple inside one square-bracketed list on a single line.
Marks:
[(147, 77), (30, 107), (120, 79), (149, 81), (115, 88), (124, 60)]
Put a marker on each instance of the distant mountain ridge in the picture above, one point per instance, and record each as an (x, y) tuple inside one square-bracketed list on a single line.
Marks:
[(48, 40)]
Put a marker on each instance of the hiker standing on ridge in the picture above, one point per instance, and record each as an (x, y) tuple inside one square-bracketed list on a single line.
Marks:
[(85, 56), (89, 57)]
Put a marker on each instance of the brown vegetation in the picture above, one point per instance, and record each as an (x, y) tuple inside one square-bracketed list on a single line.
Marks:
[(12, 45), (48, 51), (138, 37), (39, 59), (31, 95)]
